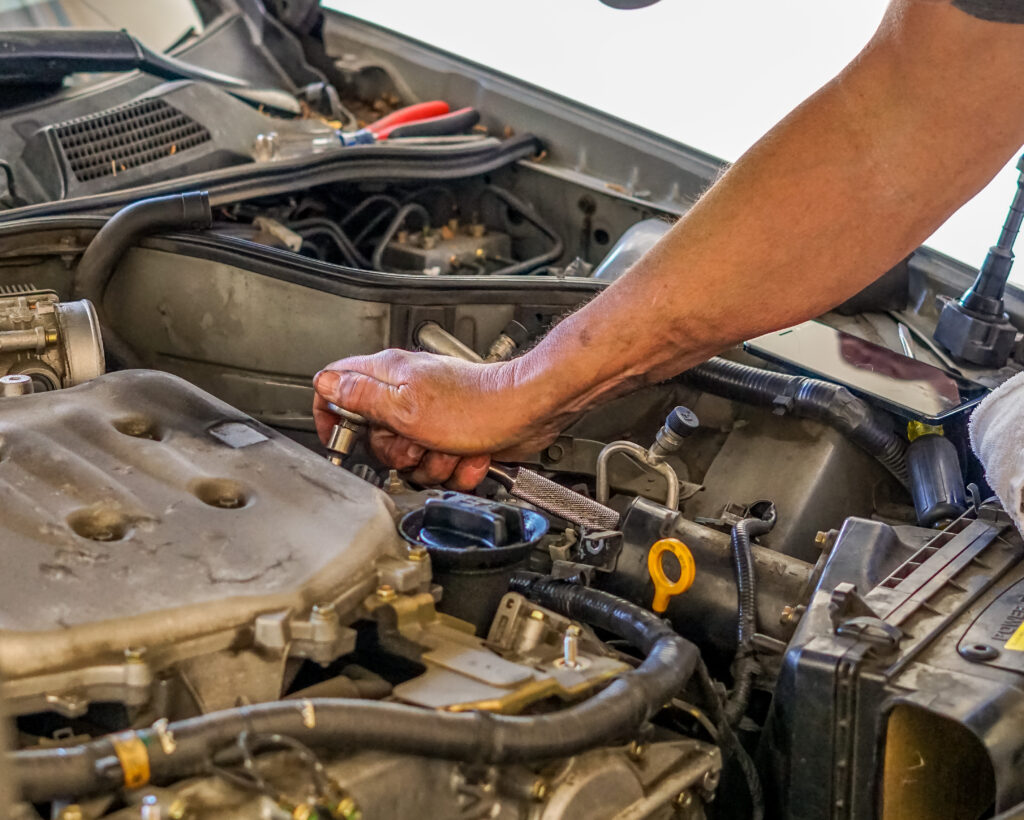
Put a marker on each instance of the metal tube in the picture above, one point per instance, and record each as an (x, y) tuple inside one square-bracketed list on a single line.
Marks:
[(643, 456), (29, 339), (435, 339)]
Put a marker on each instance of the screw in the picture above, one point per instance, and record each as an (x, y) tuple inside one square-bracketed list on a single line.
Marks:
[(417, 554), (821, 538), (539, 791), (636, 750), (683, 800), (386, 592), (537, 615)]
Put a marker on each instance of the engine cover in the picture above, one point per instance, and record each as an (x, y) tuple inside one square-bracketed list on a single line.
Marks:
[(147, 525)]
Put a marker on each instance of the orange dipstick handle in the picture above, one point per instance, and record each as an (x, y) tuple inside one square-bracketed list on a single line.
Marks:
[(664, 589)]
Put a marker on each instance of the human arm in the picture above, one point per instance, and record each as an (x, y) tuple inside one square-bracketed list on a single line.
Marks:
[(846, 185)]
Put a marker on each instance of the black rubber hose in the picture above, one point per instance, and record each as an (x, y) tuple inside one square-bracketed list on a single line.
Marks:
[(745, 665), (313, 226), (609, 716), (732, 748), (396, 223), (551, 255), (809, 398), (189, 211)]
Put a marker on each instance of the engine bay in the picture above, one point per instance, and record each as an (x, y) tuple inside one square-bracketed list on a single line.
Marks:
[(761, 588)]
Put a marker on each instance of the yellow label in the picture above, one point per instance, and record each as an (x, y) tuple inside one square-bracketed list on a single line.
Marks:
[(1016, 641), (134, 759)]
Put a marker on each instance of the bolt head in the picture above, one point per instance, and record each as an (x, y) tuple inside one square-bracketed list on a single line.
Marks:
[(821, 538), (537, 615), (386, 592), (417, 553)]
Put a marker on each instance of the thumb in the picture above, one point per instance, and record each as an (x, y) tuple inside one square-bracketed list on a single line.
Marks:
[(358, 393)]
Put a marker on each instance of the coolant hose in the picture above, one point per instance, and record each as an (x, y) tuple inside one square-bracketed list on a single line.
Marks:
[(809, 398), (189, 211), (745, 665), (609, 716)]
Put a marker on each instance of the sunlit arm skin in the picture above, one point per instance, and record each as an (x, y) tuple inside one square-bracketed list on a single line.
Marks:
[(845, 186)]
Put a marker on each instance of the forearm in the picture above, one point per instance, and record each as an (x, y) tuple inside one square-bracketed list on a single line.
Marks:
[(844, 187)]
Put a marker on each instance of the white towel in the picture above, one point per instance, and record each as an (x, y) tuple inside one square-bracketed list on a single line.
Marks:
[(997, 436)]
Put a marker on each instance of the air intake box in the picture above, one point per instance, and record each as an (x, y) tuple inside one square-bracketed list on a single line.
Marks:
[(902, 695)]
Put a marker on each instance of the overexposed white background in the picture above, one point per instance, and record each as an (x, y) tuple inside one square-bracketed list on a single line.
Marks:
[(714, 74)]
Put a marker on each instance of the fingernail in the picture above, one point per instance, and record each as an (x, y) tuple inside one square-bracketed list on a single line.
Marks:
[(414, 451), (327, 382), (476, 462), (316, 378)]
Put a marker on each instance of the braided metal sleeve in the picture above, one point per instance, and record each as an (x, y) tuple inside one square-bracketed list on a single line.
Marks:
[(561, 501)]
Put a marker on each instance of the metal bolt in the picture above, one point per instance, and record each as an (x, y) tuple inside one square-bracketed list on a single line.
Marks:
[(571, 646), (791, 615), (636, 750), (820, 538), (537, 615), (323, 611), (709, 782), (386, 592), (555, 452), (16, 384), (417, 554), (134, 654), (683, 800), (71, 812), (539, 791)]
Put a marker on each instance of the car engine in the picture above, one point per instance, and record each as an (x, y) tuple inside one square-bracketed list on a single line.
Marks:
[(775, 585)]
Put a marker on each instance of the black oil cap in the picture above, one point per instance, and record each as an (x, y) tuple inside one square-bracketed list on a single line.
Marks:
[(468, 532)]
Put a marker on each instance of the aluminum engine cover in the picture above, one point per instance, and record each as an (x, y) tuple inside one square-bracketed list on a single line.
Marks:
[(141, 513)]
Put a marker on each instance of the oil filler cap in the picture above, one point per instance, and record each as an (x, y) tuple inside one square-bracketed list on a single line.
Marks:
[(466, 532)]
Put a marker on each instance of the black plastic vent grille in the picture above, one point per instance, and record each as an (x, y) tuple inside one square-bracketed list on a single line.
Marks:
[(113, 141)]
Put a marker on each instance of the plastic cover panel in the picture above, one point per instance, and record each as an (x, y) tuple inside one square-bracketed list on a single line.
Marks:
[(128, 136), (141, 511)]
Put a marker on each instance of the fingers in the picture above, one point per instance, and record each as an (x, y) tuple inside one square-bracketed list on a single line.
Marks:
[(394, 450), (469, 472), (434, 468), (358, 393), (323, 418)]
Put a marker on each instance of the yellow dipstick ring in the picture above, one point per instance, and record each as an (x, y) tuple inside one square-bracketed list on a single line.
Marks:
[(663, 587)]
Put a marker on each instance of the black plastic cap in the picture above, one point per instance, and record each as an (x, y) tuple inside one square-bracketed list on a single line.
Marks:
[(682, 421)]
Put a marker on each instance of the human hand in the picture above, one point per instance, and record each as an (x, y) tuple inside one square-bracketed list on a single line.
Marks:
[(439, 418)]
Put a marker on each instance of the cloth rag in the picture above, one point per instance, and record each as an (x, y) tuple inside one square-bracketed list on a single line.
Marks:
[(997, 436)]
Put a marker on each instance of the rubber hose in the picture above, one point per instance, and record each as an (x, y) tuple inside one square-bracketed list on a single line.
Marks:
[(189, 211), (607, 717), (745, 666), (397, 221), (732, 749), (551, 255), (809, 398)]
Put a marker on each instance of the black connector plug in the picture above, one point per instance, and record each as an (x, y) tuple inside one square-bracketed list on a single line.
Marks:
[(975, 328)]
